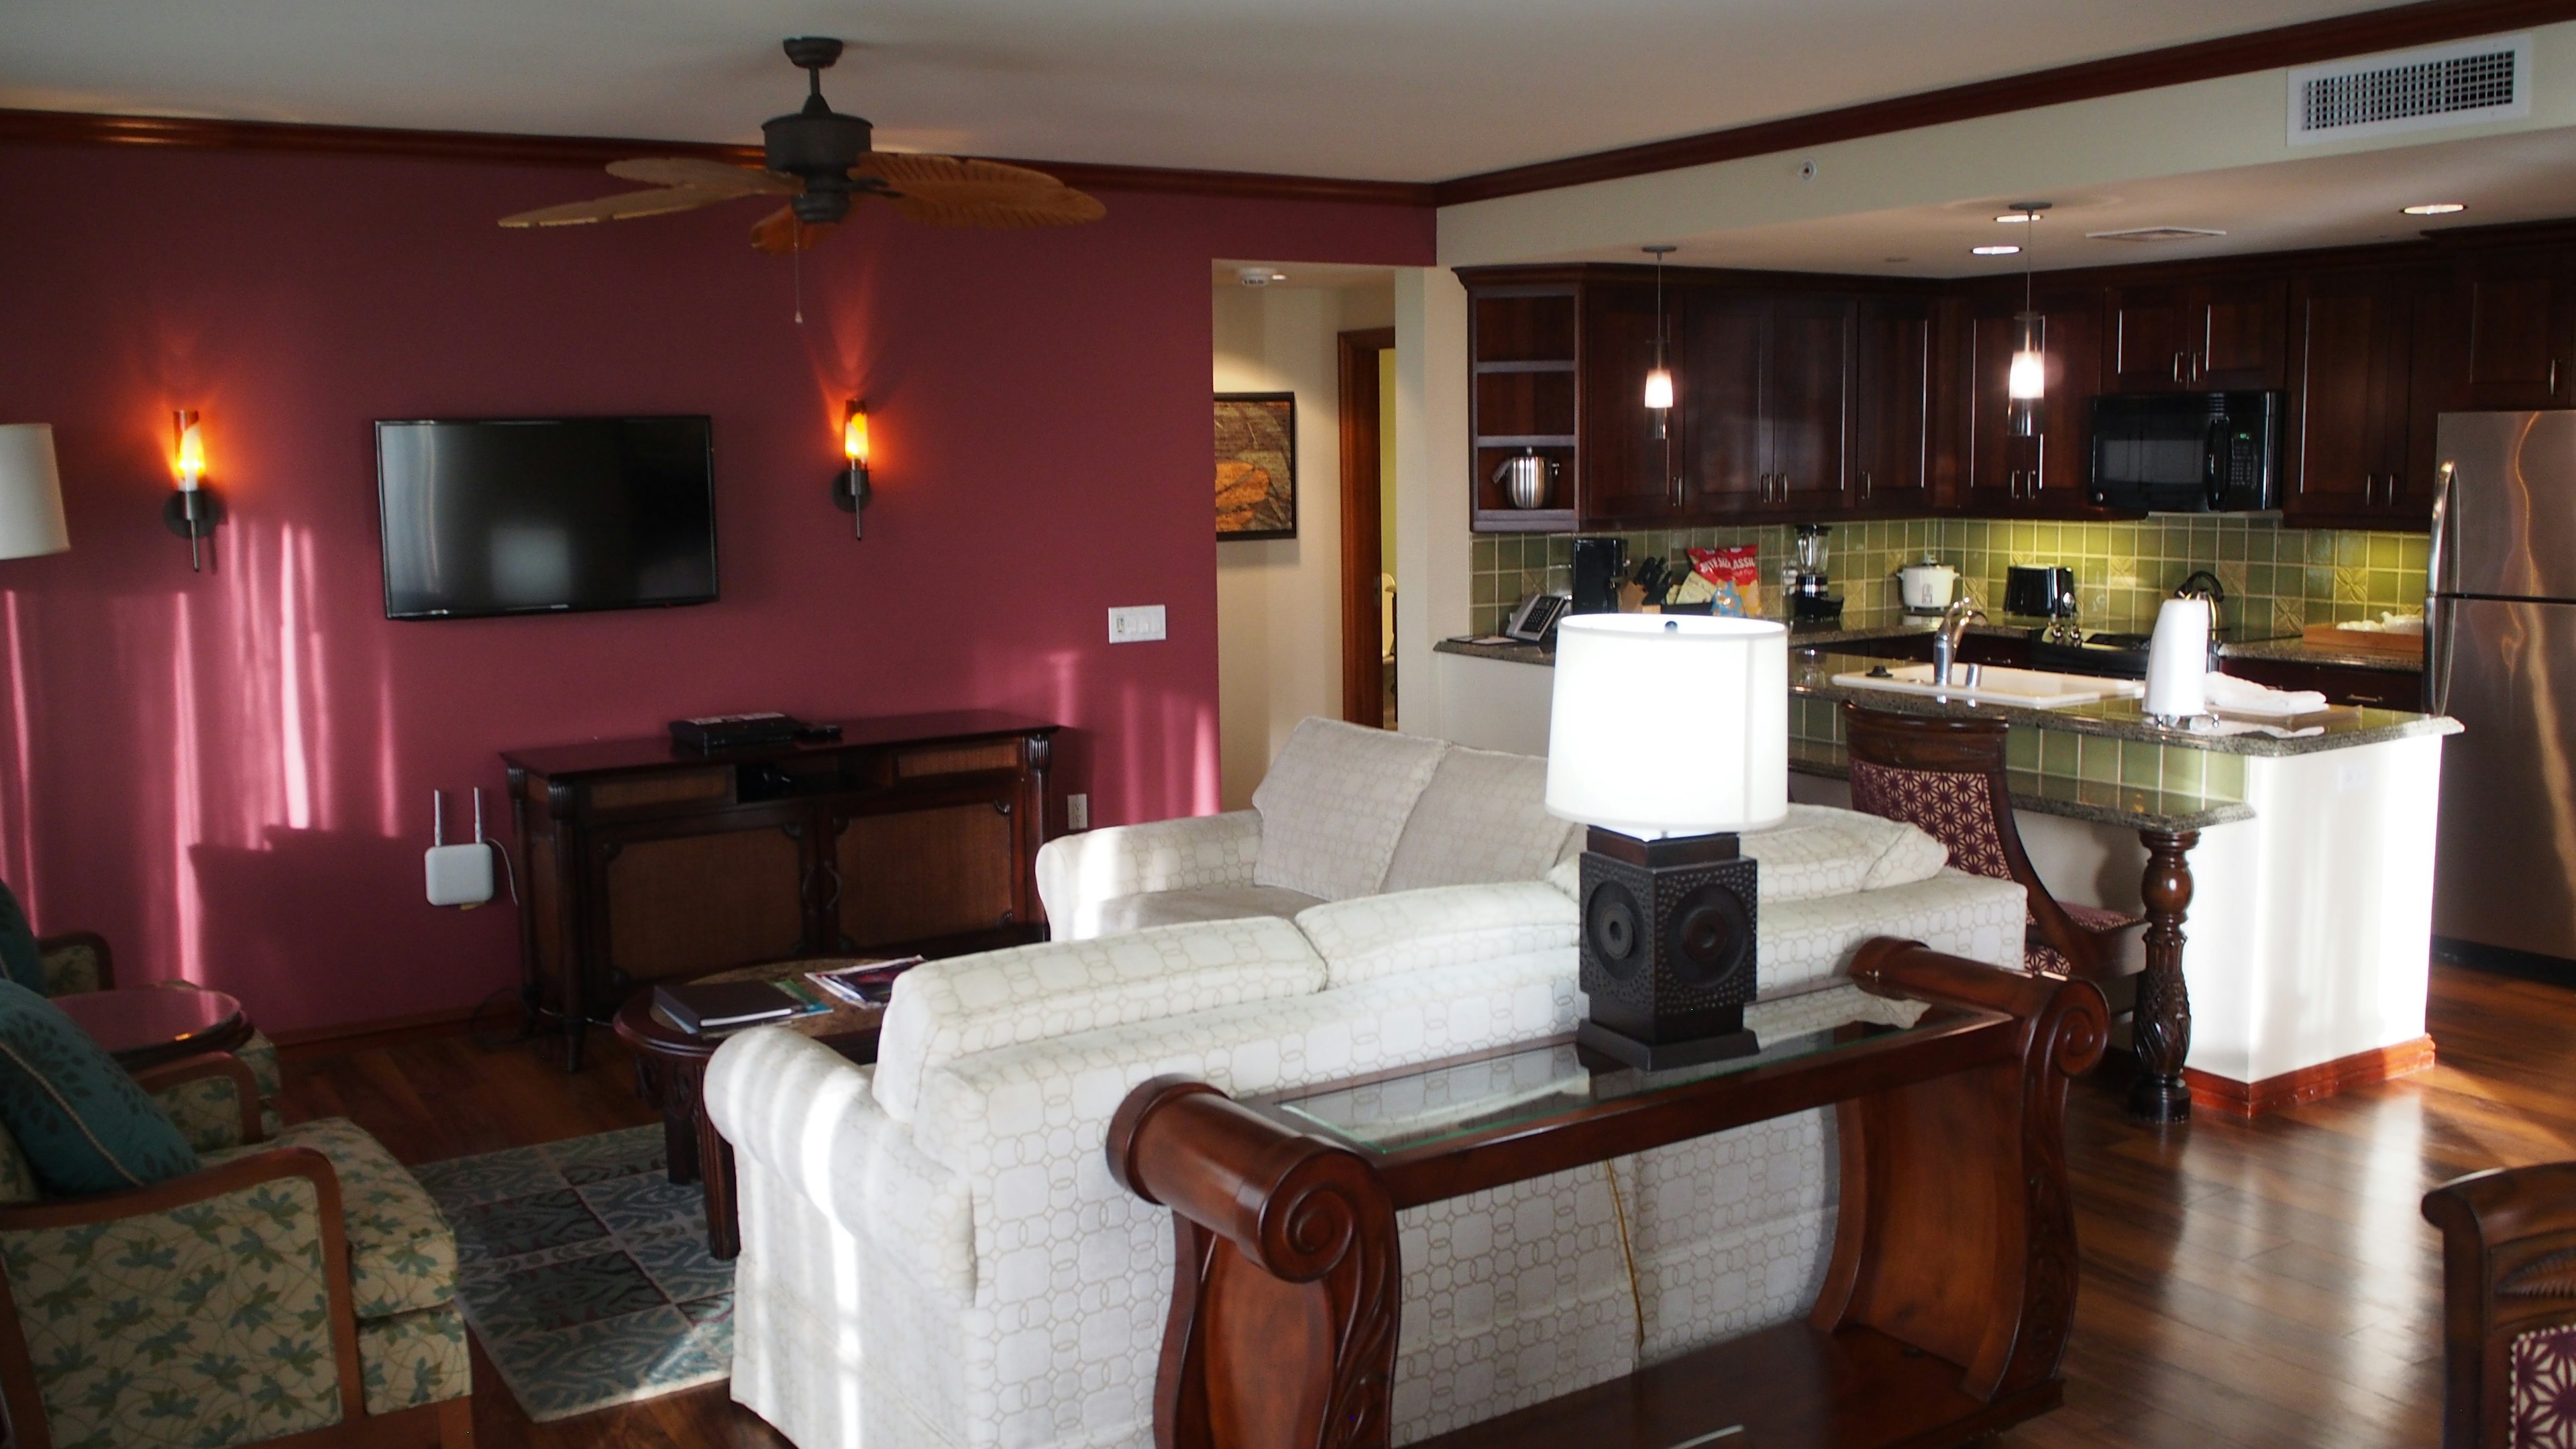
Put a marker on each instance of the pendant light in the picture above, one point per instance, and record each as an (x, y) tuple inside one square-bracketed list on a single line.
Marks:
[(2026, 380), (1659, 381)]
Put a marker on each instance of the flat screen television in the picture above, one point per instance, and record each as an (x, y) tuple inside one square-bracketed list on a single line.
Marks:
[(545, 515)]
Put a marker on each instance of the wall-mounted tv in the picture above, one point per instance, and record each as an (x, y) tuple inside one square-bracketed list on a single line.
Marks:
[(545, 515)]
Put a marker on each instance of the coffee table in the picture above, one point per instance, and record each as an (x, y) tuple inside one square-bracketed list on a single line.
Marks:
[(671, 1070), (144, 1026)]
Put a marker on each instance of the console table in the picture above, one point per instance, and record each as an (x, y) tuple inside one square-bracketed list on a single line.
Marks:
[(1943, 1315), (646, 861)]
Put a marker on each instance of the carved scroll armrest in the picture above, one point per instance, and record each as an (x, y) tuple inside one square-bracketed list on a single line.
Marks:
[(2508, 1268), (2068, 1019), (1290, 1203), (156, 1080)]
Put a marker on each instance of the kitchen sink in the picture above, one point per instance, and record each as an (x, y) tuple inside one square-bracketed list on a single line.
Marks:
[(1997, 684)]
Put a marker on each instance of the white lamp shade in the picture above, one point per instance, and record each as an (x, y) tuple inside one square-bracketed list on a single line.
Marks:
[(1669, 725), (31, 492)]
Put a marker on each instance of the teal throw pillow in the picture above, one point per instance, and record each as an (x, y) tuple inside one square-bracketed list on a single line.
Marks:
[(83, 1124), (20, 961)]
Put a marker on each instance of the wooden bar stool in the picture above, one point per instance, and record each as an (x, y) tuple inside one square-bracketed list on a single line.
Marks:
[(1945, 776)]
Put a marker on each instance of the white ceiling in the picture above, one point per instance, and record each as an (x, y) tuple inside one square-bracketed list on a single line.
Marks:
[(2350, 199), (1415, 90)]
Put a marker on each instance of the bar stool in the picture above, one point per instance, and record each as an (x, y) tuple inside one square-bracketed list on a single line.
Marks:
[(1945, 776)]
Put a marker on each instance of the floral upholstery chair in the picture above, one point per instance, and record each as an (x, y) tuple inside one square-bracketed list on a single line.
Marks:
[(1945, 776), (80, 961), (2508, 1307), (297, 1285)]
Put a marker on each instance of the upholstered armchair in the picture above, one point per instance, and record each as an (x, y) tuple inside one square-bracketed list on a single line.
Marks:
[(2508, 1306), (79, 961), (295, 1286)]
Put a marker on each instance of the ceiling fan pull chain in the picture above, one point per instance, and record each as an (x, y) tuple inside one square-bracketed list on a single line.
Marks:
[(796, 261)]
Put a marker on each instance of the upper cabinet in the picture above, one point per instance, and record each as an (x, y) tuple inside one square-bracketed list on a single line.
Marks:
[(2520, 307), (2204, 336), (2352, 345), (1892, 407), (1765, 387), (1522, 392), (2044, 475)]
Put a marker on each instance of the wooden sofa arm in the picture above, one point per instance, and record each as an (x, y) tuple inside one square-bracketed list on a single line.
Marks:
[(156, 1080), (19, 1391)]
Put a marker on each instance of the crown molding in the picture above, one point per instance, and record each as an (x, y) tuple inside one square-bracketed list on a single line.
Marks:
[(82, 128), (2426, 22)]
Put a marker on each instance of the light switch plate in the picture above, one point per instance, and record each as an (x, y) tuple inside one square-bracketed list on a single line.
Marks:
[(1136, 624), (1077, 812)]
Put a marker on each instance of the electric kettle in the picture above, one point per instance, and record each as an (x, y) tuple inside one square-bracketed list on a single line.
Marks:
[(1524, 478)]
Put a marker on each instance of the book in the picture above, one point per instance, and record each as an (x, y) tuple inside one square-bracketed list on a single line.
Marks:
[(863, 983), (704, 1006)]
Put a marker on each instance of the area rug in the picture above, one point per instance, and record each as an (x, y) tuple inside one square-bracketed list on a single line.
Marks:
[(585, 1272)]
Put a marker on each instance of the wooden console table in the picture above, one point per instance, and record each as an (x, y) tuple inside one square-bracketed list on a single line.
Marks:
[(644, 861), (1943, 1314)]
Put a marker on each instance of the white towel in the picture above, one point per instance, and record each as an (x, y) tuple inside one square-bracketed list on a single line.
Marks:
[(2244, 696), (2212, 725)]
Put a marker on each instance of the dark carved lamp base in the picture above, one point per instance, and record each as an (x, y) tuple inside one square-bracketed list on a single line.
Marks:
[(1667, 959)]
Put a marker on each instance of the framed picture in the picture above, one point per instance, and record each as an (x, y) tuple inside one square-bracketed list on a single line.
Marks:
[(1256, 465)]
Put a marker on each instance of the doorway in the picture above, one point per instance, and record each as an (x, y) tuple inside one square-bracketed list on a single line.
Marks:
[(1367, 363)]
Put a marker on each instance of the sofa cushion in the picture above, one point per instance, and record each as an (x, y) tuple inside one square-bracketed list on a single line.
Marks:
[(1335, 803), (1482, 818), (1120, 914), (1809, 944), (85, 1126), (943, 1010), (1403, 931), (402, 1254), (1817, 851)]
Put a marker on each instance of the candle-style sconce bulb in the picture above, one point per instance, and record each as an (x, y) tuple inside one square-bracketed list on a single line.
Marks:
[(850, 490), (191, 512)]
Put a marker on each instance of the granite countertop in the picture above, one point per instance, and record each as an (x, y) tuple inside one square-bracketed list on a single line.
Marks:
[(2293, 650), (2100, 801), (1801, 636), (2343, 726)]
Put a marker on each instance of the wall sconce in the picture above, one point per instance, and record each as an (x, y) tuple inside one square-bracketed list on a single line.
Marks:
[(850, 491), (192, 512)]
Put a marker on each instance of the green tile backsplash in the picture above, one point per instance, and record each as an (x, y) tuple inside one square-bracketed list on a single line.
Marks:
[(2277, 579), (2185, 774)]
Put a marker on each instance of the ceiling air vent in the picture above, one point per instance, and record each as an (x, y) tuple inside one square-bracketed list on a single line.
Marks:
[(2459, 84), (2154, 234)]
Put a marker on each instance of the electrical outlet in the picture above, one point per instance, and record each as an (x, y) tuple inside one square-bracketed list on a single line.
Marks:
[(1136, 624), (1077, 812)]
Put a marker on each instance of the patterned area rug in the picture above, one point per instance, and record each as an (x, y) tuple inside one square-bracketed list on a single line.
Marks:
[(585, 1272)]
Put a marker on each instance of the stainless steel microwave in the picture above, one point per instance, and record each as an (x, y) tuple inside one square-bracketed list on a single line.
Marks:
[(2187, 452)]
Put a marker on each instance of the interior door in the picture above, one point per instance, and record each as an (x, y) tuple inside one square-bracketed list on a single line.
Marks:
[(1806, 402), (936, 868), (1720, 387)]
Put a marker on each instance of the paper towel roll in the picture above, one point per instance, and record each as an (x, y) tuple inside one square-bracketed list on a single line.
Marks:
[(2178, 660)]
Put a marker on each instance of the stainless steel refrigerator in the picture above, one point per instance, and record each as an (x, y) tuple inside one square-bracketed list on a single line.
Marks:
[(2500, 656)]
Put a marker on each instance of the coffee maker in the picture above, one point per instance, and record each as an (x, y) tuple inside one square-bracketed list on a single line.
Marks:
[(1809, 599), (1600, 566)]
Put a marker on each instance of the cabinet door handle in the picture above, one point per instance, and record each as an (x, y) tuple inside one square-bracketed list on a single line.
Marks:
[(1002, 806), (2177, 367), (2553, 376), (1864, 482)]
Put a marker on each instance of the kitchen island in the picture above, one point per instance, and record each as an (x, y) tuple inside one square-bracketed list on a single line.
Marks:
[(2304, 865)]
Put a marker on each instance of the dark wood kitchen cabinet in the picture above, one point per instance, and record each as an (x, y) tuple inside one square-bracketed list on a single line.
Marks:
[(2044, 476), (1524, 397), (2352, 350), (648, 862), (1627, 472), (1764, 384), (2211, 335), (1892, 405), (2520, 310)]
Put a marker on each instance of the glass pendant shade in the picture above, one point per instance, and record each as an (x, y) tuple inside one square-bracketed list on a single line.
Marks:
[(2026, 380), (1659, 388)]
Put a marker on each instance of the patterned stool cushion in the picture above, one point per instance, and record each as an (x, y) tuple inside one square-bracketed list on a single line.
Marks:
[(2098, 920), (1956, 809), (2544, 1389), (402, 1254), (84, 1125)]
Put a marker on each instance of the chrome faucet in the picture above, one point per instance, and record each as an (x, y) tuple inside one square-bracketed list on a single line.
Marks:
[(1954, 627)]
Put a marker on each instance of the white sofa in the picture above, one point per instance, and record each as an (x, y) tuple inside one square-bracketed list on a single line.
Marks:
[(934, 1254)]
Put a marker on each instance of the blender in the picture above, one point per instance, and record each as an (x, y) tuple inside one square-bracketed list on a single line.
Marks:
[(1809, 603)]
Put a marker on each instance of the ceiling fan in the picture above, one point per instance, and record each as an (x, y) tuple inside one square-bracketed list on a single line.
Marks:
[(819, 160)]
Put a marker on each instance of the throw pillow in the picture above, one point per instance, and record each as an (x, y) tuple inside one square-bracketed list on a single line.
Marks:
[(84, 1125), (1334, 804), (20, 961), (1482, 819)]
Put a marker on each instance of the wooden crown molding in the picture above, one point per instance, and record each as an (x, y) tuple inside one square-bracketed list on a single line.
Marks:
[(2426, 22), (80, 128)]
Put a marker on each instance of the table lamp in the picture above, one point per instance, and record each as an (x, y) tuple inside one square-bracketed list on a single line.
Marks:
[(1667, 735), (31, 493)]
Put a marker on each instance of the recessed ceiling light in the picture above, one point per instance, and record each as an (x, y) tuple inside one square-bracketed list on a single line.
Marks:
[(2435, 208), (1994, 251)]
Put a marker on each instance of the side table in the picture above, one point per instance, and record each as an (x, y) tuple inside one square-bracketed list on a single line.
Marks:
[(144, 1026), (671, 1067)]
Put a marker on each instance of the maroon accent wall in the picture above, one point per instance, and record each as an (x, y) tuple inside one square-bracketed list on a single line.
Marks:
[(229, 773)]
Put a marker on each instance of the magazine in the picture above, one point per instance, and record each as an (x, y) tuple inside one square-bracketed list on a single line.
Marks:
[(863, 983)]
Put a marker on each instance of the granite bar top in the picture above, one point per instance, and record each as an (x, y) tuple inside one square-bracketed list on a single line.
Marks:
[(1801, 636), (2296, 651), (2342, 726), (2099, 801)]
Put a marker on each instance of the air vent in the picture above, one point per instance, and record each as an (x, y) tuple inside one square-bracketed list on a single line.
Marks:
[(2154, 234), (2412, 90)]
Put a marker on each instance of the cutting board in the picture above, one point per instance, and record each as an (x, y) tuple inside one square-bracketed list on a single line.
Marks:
[(2364, 641)]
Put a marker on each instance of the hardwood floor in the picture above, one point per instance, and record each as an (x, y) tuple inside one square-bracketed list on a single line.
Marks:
[(2261, 1285)]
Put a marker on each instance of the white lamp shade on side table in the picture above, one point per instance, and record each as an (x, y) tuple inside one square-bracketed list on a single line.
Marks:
[(1669, 725), (31, 493)]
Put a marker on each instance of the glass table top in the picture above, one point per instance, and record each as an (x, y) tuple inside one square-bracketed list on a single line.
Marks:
[(1546, 1079)]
